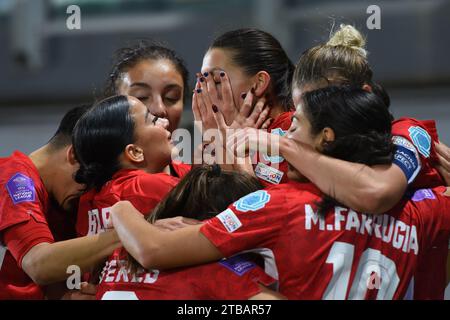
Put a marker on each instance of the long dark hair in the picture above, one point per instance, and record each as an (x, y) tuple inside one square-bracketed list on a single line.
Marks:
[(202, 194), (361, 123), (127, 57), (99, 138), (254, 50)]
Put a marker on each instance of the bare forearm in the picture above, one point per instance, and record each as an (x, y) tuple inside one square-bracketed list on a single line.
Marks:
[(154, 248), (48, 263), (360, 187), (139, 237)]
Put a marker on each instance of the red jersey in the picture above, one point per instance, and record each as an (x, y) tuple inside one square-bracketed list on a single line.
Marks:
[(23, 204), (422, 134), (420, 171), (230, 279), (344, 255), (180, 169), (272, 170), (142, 189)]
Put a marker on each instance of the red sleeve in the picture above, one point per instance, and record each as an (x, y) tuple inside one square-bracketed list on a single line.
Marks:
[(235, 280), (253, 221), (21, 197), (422, 134), (20, 238), (433, 211)]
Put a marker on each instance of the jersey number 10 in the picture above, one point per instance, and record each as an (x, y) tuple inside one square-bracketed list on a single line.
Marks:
[(375, 271)]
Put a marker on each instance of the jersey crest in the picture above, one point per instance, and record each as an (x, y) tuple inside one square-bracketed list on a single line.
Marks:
[(253, 202), (421, 140), (21, 188)]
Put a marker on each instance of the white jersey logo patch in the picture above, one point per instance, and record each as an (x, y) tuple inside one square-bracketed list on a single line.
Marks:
[(229, 220), (268, 173)]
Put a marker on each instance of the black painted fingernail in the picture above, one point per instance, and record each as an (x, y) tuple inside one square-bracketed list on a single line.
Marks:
[(199, 90), (206, 74), (222, 74), (252, 90), (243, 96), (202, 79), (214, 107)]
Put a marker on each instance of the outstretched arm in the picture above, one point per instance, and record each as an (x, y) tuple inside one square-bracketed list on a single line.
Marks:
[(367, 189), (47, 263), (154, 248)]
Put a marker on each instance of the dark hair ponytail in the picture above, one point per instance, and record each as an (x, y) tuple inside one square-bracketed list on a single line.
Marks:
[(361, 123), (255, 50), (99, 138)]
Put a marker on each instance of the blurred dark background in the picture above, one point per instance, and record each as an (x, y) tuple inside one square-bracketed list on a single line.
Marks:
[(45, 68)]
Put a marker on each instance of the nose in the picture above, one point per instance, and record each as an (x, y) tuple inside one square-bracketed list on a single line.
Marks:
[(163, 123), (158, 108)]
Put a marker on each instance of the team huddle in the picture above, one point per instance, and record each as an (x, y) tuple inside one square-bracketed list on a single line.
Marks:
[(328, 196)]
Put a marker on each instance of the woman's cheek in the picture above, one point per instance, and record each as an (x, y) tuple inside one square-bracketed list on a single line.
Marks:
[(174, 113)]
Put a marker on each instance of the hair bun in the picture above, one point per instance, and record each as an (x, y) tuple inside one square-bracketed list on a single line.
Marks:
[(348, 36), (93, 175)]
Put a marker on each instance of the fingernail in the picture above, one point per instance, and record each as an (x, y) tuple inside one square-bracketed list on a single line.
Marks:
[(206, 74), (199, 90), (252, 90), (202, 79), (214, 107), (222, 74), (243, 96)]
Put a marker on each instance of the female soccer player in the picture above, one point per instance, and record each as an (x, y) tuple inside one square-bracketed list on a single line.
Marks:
[(376, 189), (247, 62), (199, 195), (154, 74), (343, 61), (34, 190), (124, 152), (306, 233)]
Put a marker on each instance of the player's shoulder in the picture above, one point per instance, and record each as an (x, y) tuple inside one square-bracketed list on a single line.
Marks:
[(20, 179), (422, 201), (156, 180), (279, 196), (18, 164), (140, 180), (420, 133), (295, 190)]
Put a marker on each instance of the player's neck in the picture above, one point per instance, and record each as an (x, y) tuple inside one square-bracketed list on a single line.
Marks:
[(46, 163)]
